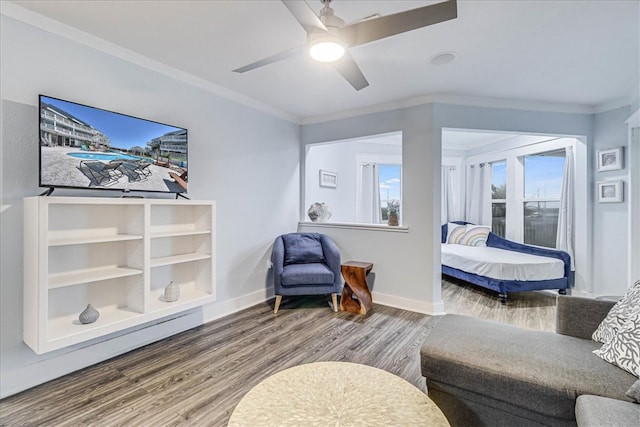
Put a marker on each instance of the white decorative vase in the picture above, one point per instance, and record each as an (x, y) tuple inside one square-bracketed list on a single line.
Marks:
[(171, 292), (89, 315), (319, 212)]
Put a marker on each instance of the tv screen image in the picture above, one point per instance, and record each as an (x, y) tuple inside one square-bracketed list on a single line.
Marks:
[(87, 147)]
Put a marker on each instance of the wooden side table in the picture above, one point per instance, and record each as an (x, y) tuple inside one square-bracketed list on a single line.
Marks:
[(355, 278)]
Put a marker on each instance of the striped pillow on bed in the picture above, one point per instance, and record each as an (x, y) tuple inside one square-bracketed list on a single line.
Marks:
[(470, 235)]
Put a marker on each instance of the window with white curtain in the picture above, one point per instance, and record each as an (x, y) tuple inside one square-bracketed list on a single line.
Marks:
[(499, 197), (527, 191)]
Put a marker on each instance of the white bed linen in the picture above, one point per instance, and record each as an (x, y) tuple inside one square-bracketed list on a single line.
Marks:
[(500, 263)]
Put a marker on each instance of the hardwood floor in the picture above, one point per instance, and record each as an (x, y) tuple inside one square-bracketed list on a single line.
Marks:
[(198, 377), (532, 310)]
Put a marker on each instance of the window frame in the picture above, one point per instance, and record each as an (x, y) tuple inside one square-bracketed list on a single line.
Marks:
[(514, 217)]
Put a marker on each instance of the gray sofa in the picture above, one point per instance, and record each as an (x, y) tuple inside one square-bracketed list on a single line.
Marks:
[(484, 373)]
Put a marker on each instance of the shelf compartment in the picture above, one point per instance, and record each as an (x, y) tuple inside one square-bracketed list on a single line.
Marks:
[(89, 275), (111, 319), (190, 296), (193, 278), (119, 301), (180, 218), (64, 241), (177, 259), (96, 261), (94, 220)]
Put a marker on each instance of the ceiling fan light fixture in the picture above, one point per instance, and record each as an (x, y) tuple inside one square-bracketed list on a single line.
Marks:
[(326, 48)]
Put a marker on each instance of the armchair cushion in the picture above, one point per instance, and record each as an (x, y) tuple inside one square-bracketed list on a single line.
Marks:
[(309, 274), (302, 248)]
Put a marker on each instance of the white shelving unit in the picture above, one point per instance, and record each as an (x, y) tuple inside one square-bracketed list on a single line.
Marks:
[(117, 255)]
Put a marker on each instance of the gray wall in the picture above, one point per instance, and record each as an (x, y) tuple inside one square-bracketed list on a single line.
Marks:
[(408, 265), (610, 231), (245, 160)]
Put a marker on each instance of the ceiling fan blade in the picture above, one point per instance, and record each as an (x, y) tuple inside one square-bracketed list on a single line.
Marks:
[(273, 58), (378, 28), (348, 68), (305, 16)]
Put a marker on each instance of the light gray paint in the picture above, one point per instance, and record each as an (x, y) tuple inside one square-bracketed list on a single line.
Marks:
[(610, 219), (245, 160), (409, 265)]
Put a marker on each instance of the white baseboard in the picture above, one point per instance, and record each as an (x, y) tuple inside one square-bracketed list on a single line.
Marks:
[(217, 310), (408, 304)]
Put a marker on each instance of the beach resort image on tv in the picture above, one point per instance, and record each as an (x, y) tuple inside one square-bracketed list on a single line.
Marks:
[(86, 147)]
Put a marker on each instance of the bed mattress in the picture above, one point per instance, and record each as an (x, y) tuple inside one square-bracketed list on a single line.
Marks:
[(501, 264)]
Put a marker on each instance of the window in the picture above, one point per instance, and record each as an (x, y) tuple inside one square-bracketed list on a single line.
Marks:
[(389, 180), (542, 187), (498, 197)]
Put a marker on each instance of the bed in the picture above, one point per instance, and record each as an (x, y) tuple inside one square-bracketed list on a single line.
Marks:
[(502, 265)]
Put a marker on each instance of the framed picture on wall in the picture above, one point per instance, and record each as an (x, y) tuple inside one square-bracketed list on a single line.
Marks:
[(328, 179), (610, 191), (609, 160)]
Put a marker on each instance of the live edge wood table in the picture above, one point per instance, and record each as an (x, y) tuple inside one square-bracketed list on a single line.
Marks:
[(355, 278)]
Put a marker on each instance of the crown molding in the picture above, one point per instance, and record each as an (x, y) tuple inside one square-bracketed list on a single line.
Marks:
[(472, 101), (52, 26)]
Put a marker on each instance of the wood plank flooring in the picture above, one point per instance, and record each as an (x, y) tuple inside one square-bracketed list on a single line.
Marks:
[(196, 378)]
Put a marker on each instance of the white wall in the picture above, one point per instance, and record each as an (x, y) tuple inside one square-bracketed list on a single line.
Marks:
[(246, 160)]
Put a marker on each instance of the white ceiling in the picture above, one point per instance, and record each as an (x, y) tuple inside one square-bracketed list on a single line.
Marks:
[(578, 53)]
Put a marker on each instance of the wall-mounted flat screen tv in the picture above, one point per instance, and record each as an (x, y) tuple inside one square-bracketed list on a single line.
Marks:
[(87, 147)]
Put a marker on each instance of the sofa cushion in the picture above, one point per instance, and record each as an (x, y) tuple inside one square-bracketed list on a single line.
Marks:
[(302, 248), (307, 274), (596, 411), (539, 371), (634, 392), (618, 315)]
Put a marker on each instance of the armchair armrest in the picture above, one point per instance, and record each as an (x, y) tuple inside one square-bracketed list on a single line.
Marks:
[(277, 262), (332, 258), (579, 317)]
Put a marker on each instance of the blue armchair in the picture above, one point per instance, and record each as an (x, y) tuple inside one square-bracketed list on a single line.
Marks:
[(306, 264)]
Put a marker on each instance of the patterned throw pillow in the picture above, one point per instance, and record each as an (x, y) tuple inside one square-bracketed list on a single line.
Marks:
[(618, 315), (475, 235), (454, 230), (624, 349)]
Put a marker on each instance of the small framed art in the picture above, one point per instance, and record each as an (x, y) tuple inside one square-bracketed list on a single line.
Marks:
[(610, 191), (328, 179), (609, 160)]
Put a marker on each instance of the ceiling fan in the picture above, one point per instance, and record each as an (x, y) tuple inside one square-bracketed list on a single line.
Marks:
[(329, 38)]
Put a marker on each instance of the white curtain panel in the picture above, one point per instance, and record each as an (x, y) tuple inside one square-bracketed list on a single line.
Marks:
[(478, 201), (369, 211), (449, 208), (565, 235)]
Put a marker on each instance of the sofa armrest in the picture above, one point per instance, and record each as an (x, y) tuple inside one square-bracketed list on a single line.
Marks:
[(579, 317)]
